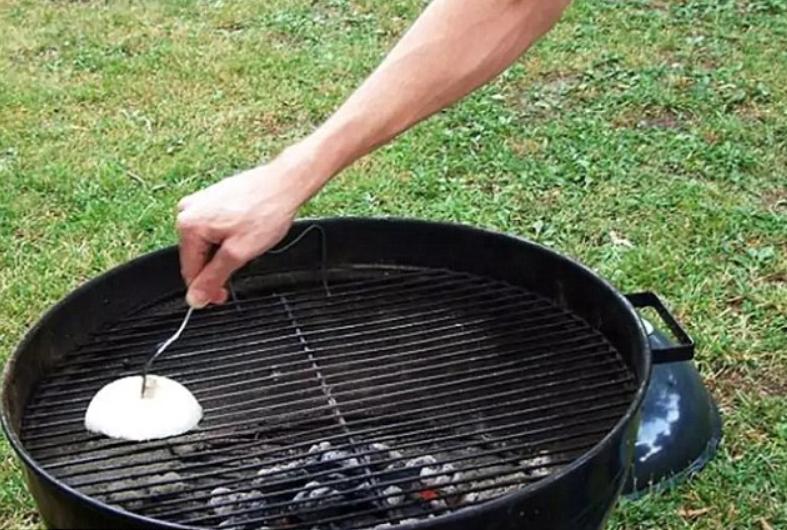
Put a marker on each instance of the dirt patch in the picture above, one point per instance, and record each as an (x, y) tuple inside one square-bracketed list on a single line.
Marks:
[(776, 278), (709, 63), (659, 5), (775, 200), (231, 26), (735, 304), (773, 386), (711, 137), (666, 120), (558, 82), (648, 119), (540, 95), (271, 123), (524, 147), (751, 112), (764, 383)]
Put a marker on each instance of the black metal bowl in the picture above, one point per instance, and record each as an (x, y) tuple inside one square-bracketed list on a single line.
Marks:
[(578, 496)]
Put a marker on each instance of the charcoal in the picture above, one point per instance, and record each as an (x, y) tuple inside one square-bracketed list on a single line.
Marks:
[(343, 482), (343, 458), (491, 489), (233, 523), (280, 472), (543, 461), (128, 497), (421, 461), (384, 452), (437, 475), (394, 495), (165, 489), (224, 501), (322, 446), (314, 493)]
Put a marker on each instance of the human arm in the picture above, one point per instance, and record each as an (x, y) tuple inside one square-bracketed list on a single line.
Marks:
[(454, 47)]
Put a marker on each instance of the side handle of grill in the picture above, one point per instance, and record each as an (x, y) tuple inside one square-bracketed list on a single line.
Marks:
[(684, 349)]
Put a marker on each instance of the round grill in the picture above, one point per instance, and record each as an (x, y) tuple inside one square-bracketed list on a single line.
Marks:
[(395, 395)]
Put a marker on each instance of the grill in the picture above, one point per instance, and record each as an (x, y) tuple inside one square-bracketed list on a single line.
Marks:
[(408, 374), (396, 395)]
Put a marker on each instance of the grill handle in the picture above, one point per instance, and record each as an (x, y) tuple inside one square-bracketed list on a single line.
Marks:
[(684, 349)]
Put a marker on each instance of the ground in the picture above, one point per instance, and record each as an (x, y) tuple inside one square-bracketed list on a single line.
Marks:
[(646, 138)]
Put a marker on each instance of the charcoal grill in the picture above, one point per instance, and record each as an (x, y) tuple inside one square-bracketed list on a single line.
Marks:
[(390, 373)]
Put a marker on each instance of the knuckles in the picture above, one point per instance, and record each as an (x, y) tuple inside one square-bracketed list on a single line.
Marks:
[(236, 254), (186, 223)]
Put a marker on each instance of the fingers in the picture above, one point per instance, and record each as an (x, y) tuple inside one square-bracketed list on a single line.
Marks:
[(208, 286), (194, 254), (194, 249)]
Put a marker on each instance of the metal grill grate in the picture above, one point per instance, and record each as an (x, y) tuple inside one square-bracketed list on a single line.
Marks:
[(404, 394)]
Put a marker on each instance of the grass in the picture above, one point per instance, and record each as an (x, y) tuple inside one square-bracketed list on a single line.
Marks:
[(646, 138)]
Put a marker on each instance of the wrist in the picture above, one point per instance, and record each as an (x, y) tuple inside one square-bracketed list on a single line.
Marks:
[(310, 163), (303, 169)]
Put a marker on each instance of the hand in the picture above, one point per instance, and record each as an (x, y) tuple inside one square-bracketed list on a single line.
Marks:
[(228, 224)]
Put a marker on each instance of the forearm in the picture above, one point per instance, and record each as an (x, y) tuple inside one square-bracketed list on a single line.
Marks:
[(454, 47)]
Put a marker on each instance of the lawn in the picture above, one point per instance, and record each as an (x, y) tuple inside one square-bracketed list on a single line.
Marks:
[(646, 138)]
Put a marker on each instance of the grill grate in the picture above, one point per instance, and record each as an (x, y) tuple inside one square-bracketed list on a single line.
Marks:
[(404, 394)]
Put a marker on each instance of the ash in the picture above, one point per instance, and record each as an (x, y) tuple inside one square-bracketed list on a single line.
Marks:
[(334, 482)]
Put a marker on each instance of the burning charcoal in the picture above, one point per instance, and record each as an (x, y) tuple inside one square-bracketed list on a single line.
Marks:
[(436, 475), (383, 451), (224, 501), (460, 476), (130, 498), (473, 496), (457, 482), (126, 498), (218, 496), (492, 490), (421, 461), (438, 504), (187, 450), (331, 477), (313, 493), (340, 457), (322, 446), (171, 487), (279, 468), (233, 523), (364, 488), (397, 471), (394, 466), (393, 495), (356, 492), (345, 483), (532, 465)]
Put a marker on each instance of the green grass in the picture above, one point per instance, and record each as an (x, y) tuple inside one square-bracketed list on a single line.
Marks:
[(660, 123)]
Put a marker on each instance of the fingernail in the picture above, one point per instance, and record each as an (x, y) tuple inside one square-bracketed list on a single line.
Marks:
[(196, 299)]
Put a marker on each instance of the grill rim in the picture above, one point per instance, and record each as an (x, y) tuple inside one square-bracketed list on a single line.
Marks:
[(95, 285)]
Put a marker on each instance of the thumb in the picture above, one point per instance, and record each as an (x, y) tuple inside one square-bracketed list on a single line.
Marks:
[(208, 286)]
